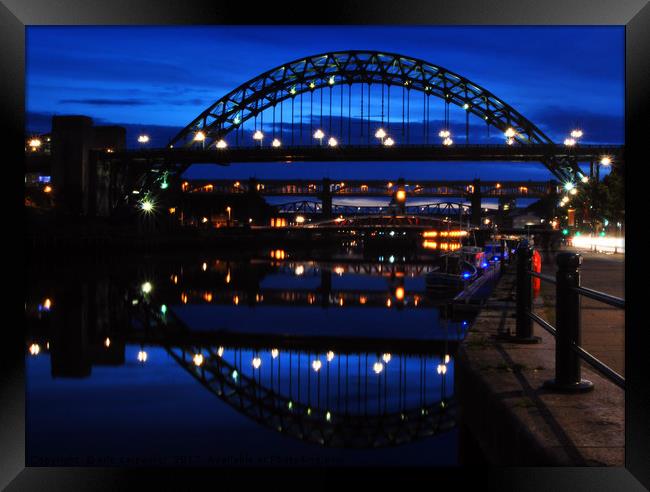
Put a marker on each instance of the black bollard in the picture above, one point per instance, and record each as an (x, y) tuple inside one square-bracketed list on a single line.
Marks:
[(567, 323), (524, 298)]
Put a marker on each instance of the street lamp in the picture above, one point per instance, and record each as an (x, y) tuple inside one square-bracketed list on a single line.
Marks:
[(276, 143), (510, 135), (389, 142), (319, 135), (569, 142), (200, 137), (259, 136), (34, 144), (143, 139), (332, 142), (380, 134), (576, 134), (222, 144)]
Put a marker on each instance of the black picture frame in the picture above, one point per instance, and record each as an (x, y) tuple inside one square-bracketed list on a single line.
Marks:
[(633, 14)]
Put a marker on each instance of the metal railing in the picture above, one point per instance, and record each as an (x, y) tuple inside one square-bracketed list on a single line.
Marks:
[(567, 332)]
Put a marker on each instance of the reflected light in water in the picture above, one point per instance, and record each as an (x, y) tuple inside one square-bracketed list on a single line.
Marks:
[(274, 353), (386, 358), (142, 356), (220, 351), (316, 365), (399, 293), (34, 349), (330, 356), (378, 367), (257, 362), (442, 369)]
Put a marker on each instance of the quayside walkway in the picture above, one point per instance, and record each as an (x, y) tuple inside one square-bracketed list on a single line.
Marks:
[(515, 420)]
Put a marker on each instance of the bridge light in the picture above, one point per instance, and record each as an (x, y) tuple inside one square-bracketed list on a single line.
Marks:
[(378, 367), (198, 137), (329, 356), (198, 360), (147, 205), (316, 365), (332, 80), (447, 141), (606, 161), (220, 351), (34, 349), (276, 143), (300, 219), (142, 356), (47, 189), (442, 369), (400, 195), (569, 186), (389, 142), (332, 142), (380, 134), (274, 353), (293, 90), (569, 142), (311, 85), (107, 342), (584, 179), (258, 135), (444, 133), (143, 139), (465, 106), (319, 135), (573, 191), (328, 416), (257, 362), (510, 141), (386, 358), (146, 288), (222, 144), (510, 132), (576, 133), (34, 143)]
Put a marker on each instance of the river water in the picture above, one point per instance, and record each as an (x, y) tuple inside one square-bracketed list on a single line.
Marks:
[(247, 357)]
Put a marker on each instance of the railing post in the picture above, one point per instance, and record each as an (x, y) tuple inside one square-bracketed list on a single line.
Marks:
[(567, 323), (524, 299)]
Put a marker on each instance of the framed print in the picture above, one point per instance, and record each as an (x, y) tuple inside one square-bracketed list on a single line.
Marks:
[(393, 242)]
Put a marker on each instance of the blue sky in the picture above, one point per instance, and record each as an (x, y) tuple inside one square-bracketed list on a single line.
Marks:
[(157, 79)]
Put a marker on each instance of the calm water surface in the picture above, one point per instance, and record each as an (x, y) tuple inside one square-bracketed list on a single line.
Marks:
[(240, 358)]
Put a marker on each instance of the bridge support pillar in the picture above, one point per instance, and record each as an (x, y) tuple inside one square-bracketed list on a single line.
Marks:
[(326, 199), (475, 200), (325, 287), (399, 197)]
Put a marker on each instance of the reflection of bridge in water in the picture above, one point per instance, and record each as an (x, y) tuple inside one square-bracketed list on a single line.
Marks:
[(356, 400)]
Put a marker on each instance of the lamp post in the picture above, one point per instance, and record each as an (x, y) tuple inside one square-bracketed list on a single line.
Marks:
[(319, 135), (143, 139), (380, 134), (200, 137), (259, 136)]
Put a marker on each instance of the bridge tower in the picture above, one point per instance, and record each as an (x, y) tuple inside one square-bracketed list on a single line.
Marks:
[(475, 200), (326, 199)]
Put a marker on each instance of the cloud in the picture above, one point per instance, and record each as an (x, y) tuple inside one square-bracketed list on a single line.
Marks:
[(106, 102)]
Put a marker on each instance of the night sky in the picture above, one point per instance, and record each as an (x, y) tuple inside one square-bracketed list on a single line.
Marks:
[(157, 79)]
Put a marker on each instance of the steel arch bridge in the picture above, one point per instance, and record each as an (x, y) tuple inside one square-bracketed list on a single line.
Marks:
[(316, 73)]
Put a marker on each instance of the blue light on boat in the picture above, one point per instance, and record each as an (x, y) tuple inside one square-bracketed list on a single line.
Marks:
[(466, 275), (496, 258), (484, 265)]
